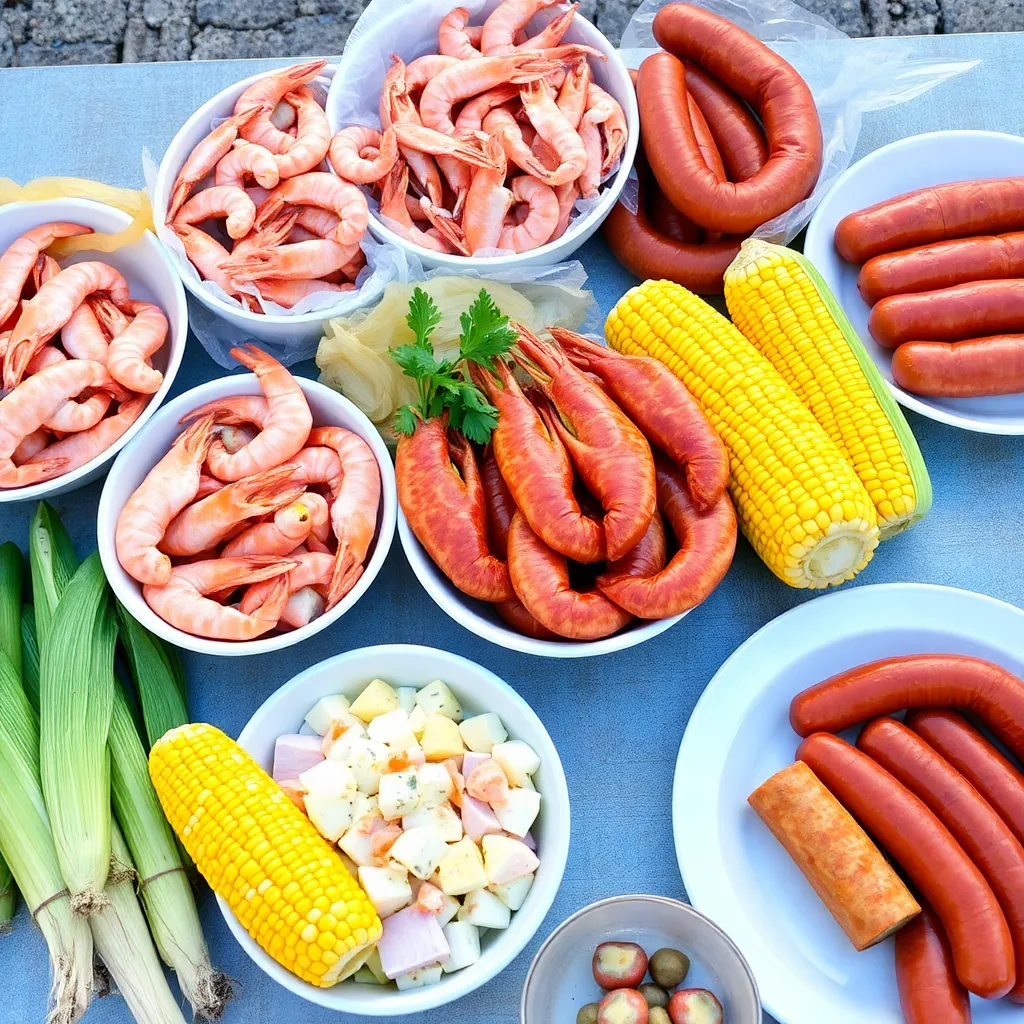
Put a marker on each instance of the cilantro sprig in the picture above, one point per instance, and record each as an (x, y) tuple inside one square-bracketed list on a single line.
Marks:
[(441, 383)]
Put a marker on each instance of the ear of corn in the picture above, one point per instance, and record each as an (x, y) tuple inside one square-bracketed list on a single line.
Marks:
[(11, 582), (798, 501), (285, 884), (780, 303), (53, 562), (29, 656)]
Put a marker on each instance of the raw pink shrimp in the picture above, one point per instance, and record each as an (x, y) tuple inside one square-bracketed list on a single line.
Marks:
[(505, 21), (220, 201), (48, 355), (501, 123), (207, 255), (206, 523), (20, 257), (541, 218), (487, 782), (396, 107), (604, 110), (234, 411), (328, 193), (318, 466), (265, 95), (168, 488), (82, 336), (182, 601), (551, 34), (290, 527), (313, 136), (291, 293), (452, 37), (354, 511), (395, 213), (129, 352), (421, 70), (426, 140), (208, 485), (488, 202), (471, 117), (74, 416), (566, 195), (347, 151), (284, 430), (249, 160), (572, 97), (205, 157), (298, 261), (589, 181), (557, 132), (31, 445), (309, 569)]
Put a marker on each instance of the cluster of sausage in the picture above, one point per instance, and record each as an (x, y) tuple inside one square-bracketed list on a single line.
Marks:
[(944, 274), (945, 804), (730, 139), (561, 522)]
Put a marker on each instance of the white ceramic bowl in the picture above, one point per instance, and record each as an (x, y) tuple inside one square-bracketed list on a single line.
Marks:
[(922, 160), (482, 620), (362, 69), (561, 979), (151, 276), (298, 329), (478, 691), (329, 409)]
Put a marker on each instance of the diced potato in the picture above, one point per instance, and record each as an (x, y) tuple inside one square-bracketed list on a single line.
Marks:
[(377, 699), (464, 942), (462, 869), (329, 779), (325, 711), (444, 819), (518, 760), (366, 758), (518, 811), (332, 815), (484, 910), (419, 978), (441, 738), (419, 851), (393, 729), (418, 721), (481, 732), (513, 894), (436, 698), (357, 843), (386, 888), (406, 698), (506, 859), (436, 785), (399, 794), (451, 907), (373, 965)]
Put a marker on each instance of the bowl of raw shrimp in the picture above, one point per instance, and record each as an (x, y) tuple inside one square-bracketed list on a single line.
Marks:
[(210, 150), (154, 483), (472, 103), (151, 277)]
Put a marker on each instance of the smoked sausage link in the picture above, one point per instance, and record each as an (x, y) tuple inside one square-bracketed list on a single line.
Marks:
[(915, 681), (961, 209), (929, 988), (932, 859), (961, 369)]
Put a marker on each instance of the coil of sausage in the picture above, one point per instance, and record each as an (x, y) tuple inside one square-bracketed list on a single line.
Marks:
[(929, 988), (975, 368)]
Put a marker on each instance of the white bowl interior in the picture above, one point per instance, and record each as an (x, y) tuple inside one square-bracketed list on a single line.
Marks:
[(478, 691), (482, 620), (150, 275), (922, 160), (361, 73), (739, 735), (131, 468), (561, 980)]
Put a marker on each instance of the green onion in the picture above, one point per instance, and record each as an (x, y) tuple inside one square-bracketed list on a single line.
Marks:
[(76, 685), (28, 847), (29, 656), (12, 573)]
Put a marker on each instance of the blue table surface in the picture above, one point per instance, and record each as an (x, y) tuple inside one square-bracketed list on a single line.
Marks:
[(617, 720)]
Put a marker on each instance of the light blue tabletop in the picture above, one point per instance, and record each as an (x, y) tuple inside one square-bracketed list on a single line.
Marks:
[(617, 720)]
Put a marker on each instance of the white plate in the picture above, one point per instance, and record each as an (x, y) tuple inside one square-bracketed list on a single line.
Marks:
[(739, 735), (917, 162)]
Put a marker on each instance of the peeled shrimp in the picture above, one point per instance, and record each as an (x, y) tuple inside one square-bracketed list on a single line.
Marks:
[(129, 352), (554, 128), (452, 37), (289, 528), (168, 488), (182, 601), (207, 255), (505, 21), (347, 151), (264, 96), (328, 193), (51, 308), (17, 262), (312, 138), (488, 202), (250, 160), (501, 123), (541, 218), (284, 430), (221, 201), (298, 261)]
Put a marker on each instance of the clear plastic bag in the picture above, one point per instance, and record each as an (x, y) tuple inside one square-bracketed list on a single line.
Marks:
[(847, 78)]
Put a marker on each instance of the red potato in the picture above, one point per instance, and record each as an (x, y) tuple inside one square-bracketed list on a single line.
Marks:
[(929, 989), (623, 1006), (694, 1006), (973, 368), (619, 965)]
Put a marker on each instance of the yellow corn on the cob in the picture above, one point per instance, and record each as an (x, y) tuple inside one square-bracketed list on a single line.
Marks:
[(259, 852), (798, 501), (780, 303)]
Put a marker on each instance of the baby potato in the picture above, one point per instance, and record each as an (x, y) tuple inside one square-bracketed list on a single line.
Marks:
[(658, 1015), (619, 965), (669, 967), (654, 995), (587, 1014), (623, 1006), (694, 1006)]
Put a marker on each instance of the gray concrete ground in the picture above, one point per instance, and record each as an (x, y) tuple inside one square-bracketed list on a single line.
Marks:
[(107, 31)]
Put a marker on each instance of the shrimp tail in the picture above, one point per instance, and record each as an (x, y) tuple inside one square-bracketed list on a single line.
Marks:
[(447, 228), (34, 473), (253, 265), (347, 570)]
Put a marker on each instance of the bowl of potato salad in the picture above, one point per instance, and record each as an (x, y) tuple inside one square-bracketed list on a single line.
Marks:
[(445, 797)]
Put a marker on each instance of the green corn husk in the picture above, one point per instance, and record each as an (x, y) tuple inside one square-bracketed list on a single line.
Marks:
[(12, 576), (29, 656), (28, 847), (53, 562), (76, 686)]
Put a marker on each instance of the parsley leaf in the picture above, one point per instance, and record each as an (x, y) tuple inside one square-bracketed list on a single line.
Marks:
[(405, 420), (423, 317), (485, 332)]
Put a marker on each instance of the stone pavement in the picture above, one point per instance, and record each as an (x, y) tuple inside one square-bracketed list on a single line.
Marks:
[(108, 31)]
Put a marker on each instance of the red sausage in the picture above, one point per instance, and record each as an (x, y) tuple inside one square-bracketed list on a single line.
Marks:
[(756, 74), (941, 265), (972, 310), (665, 218), (987, 770), (705, 140), (960, 209), (915, 681), (961, 369), (929, 988), (930, 856), (984, 836), (514, 614)]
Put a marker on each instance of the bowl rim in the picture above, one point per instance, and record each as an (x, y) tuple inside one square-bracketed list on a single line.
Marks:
[(175, 348), (678, 905), (106, 519), (555, 851)]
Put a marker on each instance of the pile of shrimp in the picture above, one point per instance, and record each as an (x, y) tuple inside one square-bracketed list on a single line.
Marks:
[(255, 206), (255, 519), (75, 352), (486, 146)]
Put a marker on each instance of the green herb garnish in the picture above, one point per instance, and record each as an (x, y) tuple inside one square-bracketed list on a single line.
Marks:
[(486, 335)]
